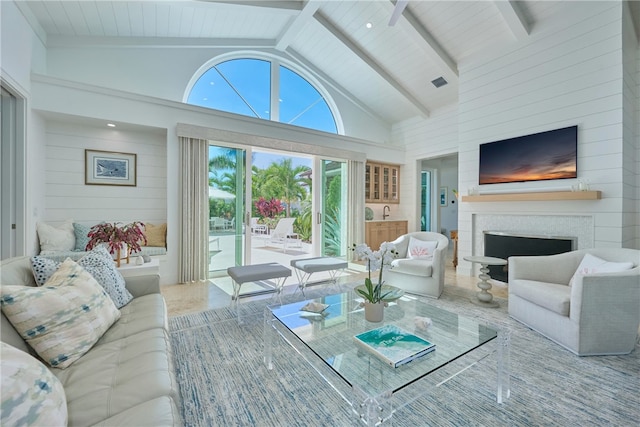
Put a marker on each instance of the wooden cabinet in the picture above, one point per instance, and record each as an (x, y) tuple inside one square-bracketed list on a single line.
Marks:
[(377, 232), (382, 183)]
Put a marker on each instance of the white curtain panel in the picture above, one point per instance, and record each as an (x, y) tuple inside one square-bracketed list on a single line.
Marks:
[(194, 212), (355, 215)]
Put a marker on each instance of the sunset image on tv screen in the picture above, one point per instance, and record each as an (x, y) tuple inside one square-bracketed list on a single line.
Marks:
[(542, 156)]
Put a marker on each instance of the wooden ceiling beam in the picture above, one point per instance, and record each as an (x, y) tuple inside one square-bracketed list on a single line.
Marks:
[(514, 18), (419, 34), (297, 25), (335, 85), (372, 63), (153, 42), (293, 6)]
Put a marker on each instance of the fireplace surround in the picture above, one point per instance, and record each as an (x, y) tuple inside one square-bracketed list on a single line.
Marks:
[(579, 227), (503, 245)]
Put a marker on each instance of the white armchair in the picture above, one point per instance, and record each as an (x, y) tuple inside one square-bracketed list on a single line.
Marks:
[(419, 276), (598, 314)]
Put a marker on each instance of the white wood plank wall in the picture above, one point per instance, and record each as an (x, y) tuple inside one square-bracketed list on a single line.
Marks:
[(67, 196), (564, 75), (436, 136), (631, 134)]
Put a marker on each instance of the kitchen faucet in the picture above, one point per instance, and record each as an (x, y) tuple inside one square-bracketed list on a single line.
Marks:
[(384, 211)]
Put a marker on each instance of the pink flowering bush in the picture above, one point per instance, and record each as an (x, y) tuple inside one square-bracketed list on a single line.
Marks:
[(114, 235), (268, 208)]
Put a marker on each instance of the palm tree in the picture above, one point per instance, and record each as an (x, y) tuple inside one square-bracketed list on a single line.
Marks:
[(226, 182), (226, 159), (285, 181)]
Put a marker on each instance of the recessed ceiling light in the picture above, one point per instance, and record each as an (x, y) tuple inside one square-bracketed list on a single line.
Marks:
[(111, 125), (369, 25)]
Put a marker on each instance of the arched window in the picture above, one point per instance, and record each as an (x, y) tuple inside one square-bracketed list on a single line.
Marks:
[(246, 86)]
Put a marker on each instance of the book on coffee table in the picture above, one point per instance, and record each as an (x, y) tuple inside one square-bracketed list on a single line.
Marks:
[(394, 345)]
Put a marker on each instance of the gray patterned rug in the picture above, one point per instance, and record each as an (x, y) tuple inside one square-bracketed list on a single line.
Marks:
[(223, 380)]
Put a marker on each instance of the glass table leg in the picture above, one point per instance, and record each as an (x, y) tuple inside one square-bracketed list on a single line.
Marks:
[(268, 337), (504, 365)]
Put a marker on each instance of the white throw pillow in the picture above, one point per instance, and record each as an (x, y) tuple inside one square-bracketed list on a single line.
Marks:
[(420, 249), (593, 265), (56, 239), (63, 319), (31, 394)]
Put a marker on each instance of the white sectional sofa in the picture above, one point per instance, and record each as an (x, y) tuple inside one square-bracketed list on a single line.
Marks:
[(127, 377)]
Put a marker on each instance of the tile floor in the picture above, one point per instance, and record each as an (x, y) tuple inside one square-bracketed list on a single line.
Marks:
[(195, 297)]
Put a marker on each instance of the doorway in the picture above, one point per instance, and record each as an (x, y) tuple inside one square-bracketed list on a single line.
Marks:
[(12, 165), (438, 183)]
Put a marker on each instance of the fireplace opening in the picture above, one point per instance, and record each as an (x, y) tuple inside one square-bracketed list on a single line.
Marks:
[(503, 245)]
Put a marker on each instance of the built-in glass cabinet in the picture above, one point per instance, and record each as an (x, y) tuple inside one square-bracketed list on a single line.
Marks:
[(382, 183)]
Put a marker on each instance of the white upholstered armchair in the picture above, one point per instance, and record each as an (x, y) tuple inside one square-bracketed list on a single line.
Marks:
[(422, 275), (598, 314)]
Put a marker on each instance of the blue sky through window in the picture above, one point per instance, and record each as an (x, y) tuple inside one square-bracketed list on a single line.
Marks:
[(302, 105), (240, 86), (243, 86)]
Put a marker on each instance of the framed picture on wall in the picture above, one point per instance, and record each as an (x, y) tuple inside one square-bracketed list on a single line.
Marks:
[(443, 196), (109, 168)]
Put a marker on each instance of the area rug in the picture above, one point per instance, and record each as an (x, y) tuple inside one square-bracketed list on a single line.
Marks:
[(223, 381)]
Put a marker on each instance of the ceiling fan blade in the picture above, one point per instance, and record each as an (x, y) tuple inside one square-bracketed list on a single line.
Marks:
[(397, 11)]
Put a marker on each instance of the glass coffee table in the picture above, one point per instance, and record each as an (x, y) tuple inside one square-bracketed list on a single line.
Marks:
[(375, 390)]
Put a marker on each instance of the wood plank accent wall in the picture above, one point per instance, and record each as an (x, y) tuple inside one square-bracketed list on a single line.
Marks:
[(569, 74), (630, 133), (564, 73), (66, 194)]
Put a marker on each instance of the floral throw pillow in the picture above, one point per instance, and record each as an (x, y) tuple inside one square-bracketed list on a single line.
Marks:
[(31, 394), (591, 264), (420, 249), (99, 264), (63, 319)]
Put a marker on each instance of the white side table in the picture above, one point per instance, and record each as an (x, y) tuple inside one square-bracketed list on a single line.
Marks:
[(148, 268), (484, 297)]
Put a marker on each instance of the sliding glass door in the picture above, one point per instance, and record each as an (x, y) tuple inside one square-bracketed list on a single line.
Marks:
[(249, 211), (227, 194), (332, 215)]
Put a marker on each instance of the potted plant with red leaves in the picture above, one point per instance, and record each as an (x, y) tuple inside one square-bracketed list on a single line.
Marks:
[(117, 238)]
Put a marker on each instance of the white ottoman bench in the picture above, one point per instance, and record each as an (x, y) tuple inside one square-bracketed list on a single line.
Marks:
[(304, 268), (254, 273)]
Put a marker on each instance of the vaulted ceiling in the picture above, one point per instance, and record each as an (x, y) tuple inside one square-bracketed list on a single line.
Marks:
[(387, 69)]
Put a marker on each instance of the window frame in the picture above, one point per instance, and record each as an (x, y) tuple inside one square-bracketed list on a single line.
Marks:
[(275, 63)]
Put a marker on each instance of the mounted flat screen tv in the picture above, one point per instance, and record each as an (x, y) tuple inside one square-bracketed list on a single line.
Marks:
[(537, 157)]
